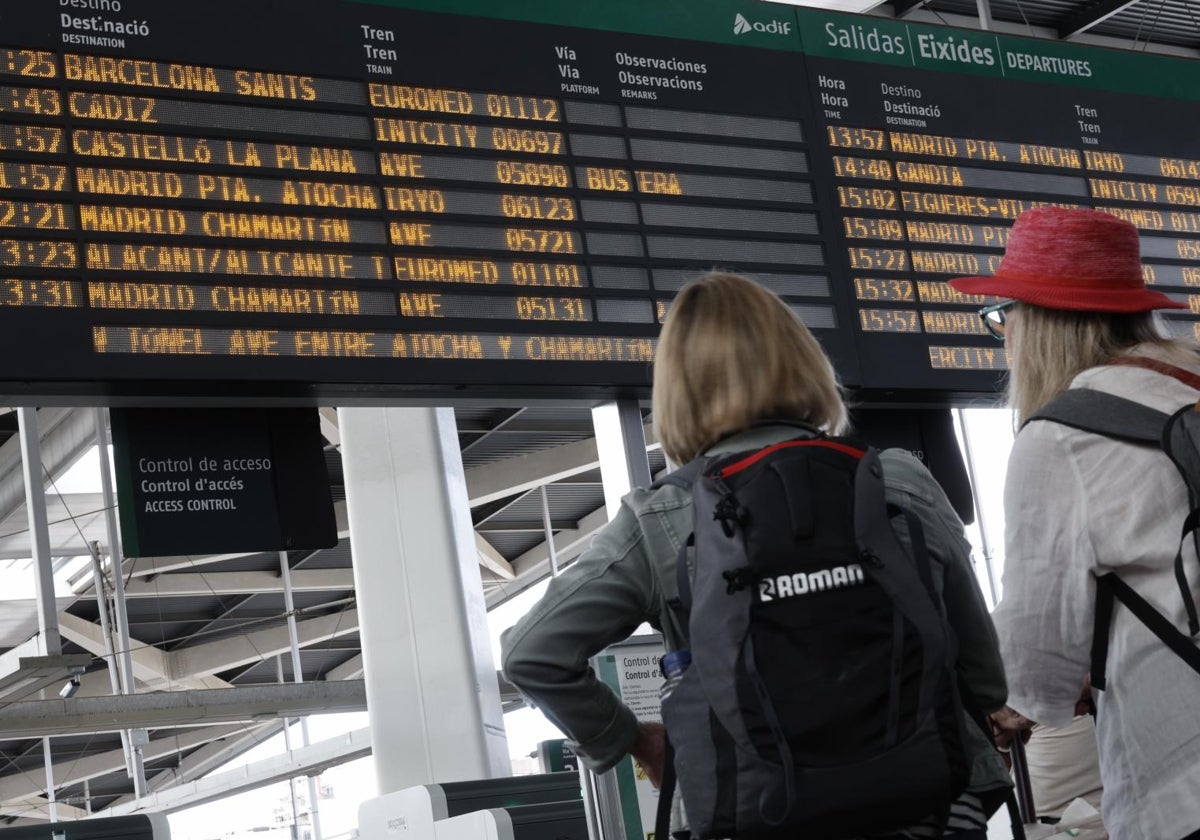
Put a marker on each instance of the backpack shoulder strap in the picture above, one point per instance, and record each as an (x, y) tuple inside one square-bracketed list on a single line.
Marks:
[(887, 563), (1109, 589), (683, 477), (1132, 422), (1105, 414)]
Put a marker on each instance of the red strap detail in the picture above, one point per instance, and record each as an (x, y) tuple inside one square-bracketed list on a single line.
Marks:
[(749, 460), (1185, 376)]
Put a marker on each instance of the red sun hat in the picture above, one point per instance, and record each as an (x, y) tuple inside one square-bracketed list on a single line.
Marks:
[(1082, 260)]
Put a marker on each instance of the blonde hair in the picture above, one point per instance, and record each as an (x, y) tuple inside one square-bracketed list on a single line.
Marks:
[(1049, 347), (731, 354)]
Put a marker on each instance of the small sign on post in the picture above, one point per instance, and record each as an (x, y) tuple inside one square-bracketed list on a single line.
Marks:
[(209, 481)]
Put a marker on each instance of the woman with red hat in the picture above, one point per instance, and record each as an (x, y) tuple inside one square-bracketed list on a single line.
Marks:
[(1076, 314)]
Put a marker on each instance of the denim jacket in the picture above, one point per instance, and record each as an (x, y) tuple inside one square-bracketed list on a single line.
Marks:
[(627, 576)]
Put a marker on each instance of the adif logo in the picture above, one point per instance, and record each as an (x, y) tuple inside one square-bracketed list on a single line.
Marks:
[(776, 27), (804, 583)]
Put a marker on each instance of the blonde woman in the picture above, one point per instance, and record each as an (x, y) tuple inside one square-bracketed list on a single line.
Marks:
[(735, 370), (1076, 314)]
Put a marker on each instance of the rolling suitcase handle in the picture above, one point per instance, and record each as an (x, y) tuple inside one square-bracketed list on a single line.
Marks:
[(1024, 790)]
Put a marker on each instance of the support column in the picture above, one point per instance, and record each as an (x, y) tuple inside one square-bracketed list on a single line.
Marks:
[(621, 445), (981, 519), (136, 739), (51, 798), (39, 530), (548, 527), (985, 14), (110, 656), (432, 694), (287, 745), (289, 603)]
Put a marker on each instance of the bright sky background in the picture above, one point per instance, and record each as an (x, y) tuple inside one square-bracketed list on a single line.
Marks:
[(990, 435)]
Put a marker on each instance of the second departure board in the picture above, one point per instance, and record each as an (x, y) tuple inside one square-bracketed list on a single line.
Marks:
[(432, 201)]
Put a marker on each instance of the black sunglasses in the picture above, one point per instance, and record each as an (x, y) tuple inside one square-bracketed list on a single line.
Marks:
[(993, 317)]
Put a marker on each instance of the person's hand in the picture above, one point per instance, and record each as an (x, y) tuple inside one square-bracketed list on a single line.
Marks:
[(649, 750), (1085, 705), (1007, 724)]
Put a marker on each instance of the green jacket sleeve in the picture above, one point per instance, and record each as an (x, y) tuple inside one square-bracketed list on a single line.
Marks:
[(599, 600)]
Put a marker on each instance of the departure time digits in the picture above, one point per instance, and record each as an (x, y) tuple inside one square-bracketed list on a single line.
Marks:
[(889, 320), (38, 139), (25, 292), (22, 253), (34, 214), (866, 139), (41, 102), (883, 289), (32, 176), (30, 63), (857, 227)]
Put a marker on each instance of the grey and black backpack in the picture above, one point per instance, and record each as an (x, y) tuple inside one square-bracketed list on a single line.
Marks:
[(822, 699)]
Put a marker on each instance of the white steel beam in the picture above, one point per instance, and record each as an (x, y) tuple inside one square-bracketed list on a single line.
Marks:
[(351, 669), (493, 560), (232, 652), (214, 754), (534, 564), (27, 664), (161, 709), (39, 812), (21, 787), (151, 666), (308, 761), (200, 585), (1092, 15), (517, 475), (329, 426), (66, 434)]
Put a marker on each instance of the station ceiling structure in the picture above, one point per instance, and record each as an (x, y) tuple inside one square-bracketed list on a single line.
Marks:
[(1171, 26), (218, 623)]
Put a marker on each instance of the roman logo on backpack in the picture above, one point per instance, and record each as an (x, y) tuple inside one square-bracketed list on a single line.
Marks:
[(1178, 436), (821, 698)]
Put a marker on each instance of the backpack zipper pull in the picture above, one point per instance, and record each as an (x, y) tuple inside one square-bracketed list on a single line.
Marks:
[(728, 513), (738, 579)]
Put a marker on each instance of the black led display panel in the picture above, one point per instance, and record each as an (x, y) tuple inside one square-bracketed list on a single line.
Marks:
[(421, 201)]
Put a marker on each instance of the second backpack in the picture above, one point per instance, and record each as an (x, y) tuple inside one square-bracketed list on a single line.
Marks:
[(821, 698)]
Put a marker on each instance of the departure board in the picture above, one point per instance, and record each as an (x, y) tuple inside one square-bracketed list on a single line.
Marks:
[(937, 138), (437, 201)]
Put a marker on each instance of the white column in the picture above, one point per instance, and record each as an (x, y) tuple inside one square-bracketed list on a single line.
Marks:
[(985, 543), (621, 446), (548, 527), (289, 603), (110, 656), (985, 14), (136, 739), (287, 745), (51, 797), (432, 694), (39, 530)]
